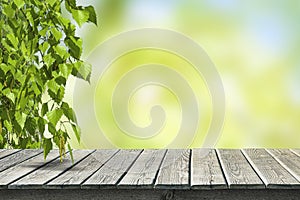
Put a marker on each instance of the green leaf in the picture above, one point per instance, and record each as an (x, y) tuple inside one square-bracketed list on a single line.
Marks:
[(77, 131), (80, 16), (47, 145), (19, 3), (61, 51), (51, 128), (71, 3), (52, 95), (43, 31), (30, 18), (30, 125), (9, 94), (41, 125), (23, 48), (53, 86), (83, 70), (43, 47), (44, 109), (60, 80), (56, 33), (36, 89), (23, 101), (65, 105), (60, 94), (49, 60), (51, 2), (21, 77), (14, 41), (70, 114), (9, 11), (92, 14), (75, 46), (65, 69), (7, 125), (21, 119), (71, 152), (5, 68), (54, 116)]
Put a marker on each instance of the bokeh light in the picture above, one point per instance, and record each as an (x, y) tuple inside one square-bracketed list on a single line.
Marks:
[(255, 46)]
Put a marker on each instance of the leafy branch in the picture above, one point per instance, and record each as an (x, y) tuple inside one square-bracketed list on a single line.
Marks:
[(39, 51)]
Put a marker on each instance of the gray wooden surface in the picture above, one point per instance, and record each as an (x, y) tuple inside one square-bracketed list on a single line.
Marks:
[(82, 171), (18, 171), (165, 174), (143, 171), (237, 170), (206, 172), (174, 171), (17, 157), (288, 159), (273, 174), (109, 175), (6, 152), (41, 176)]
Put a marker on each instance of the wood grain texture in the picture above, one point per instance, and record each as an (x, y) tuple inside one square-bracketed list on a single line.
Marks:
[(24, 168), (38, 178), (7, 152), (206, 172), (109, 174), (296, 151), (80, 172), (288, 159), (143, 172), (17, 158), (238, 172), (270, 171), (174, 171)]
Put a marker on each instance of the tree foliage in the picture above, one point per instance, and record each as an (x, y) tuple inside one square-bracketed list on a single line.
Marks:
[(39, 50)]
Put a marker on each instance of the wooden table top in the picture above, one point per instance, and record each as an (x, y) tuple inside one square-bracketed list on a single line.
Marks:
[(196, 169)]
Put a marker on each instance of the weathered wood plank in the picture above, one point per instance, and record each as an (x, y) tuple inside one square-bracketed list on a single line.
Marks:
[(296, 151), (270, 171), (24, 168), (83, 170), (163, 169), (174, 171), (7, 152), (109, 174), (38, 178), (206, 171), (238, 172), (17, 158), (288, 160), (142, 173)]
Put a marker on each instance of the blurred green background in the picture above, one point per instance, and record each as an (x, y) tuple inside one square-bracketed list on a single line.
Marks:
[(255, 46)]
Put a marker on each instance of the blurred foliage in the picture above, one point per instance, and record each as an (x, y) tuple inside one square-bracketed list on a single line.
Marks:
[(254, 44)]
